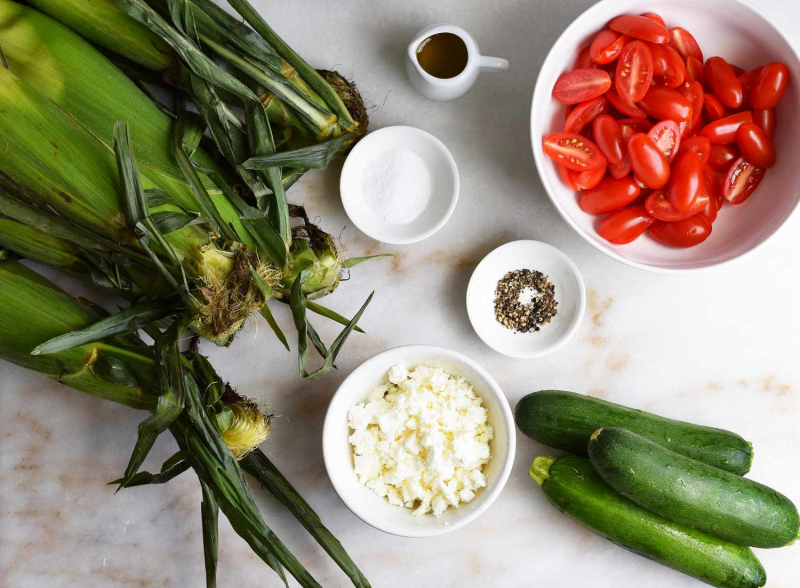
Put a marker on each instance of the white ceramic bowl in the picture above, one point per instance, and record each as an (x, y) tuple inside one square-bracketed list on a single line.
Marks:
[(570, 294), (444, 185), (338, 455), (743, 35)]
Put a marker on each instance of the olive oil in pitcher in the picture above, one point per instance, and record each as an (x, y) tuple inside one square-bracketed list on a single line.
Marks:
[(443, 55)]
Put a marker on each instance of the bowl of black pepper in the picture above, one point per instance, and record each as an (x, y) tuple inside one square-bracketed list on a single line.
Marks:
[(526, 299)]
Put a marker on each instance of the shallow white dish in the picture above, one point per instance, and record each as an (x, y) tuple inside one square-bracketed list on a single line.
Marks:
[(337, 452), (570, 294), (741, 34), (444, 184)]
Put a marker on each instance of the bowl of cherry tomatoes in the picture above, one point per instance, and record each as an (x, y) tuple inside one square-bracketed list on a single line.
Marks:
[(662, 130)]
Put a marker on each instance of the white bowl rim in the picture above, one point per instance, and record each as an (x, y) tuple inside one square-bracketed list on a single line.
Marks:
[(539, 159), (494, 490), (451, 166)]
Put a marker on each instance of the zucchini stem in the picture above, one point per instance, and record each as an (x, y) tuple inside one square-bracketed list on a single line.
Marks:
[(540, 468)]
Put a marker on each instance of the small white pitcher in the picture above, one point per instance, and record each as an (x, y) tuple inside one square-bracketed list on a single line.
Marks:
[(449, 88)]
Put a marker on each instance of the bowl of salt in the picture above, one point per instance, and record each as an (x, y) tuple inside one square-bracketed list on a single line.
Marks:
[(399, 185)]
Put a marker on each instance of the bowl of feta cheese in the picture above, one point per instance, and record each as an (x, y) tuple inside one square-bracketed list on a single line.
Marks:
[(418, 441)]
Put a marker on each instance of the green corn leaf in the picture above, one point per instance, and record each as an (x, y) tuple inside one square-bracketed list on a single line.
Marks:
[(317, 156), (133, 197), (4, 59), (114, 371), (168, 221), (155, 198), (354, 261), (211, 383), (210, 515), (331, 314), (266, 294), (146, 478), (128, 339)]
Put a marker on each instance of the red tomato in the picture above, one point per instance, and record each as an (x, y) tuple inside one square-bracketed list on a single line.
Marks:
[(640, 27), (684, 43), (721, 157), (589, 178), (655, 17), (693, 92), (711, 210), (573, 151), (648, 162), (667, 137), (567, 177), (623, 106), (610, 194), (684, 181), (625, 225), (607, 46), (723, 82), (694, 70), (769, 86), (585, 60), (742, 180), (608, 137), (665, 103), (698, 145), (712, 186), (713, 108), (621, 170), (737, 70), (766, 120), (631, 126), (723, 131), (746, 81), (659, 207), (580, 85), (634, 71), (584, 113), (755, 145), (684, 233), (668, 67)]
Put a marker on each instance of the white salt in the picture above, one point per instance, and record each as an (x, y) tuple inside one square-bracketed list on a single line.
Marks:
[(397, 186)]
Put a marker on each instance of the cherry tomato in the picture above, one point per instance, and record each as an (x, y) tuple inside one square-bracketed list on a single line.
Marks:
[(685, 44), (694, 70), (723, 131), (640, 27), (665, 103), (608, 137), (683, 233), (693, 92), (588, 178), (621, 170), (723, 82), (746, 81), (742, 180), (631, 126), (655, 17), (667, 137), (648, 162), (736, 69), (668, 67), (769, 86), (580, 85), (755, 145), (712, 186), (607, 46), (610, 194), (584, 113), (573, 151), (585, 60), (766, 120), (623, 106), (721, 157), (659, 207), (567, 177), (684, 181), (713, 108), (634, 71), (711, 210), (624, 225), (698, 145)]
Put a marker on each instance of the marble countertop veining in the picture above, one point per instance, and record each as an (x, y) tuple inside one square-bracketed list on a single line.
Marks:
[(719, 348)]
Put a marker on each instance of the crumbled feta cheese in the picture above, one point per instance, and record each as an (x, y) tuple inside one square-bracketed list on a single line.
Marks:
[(421, 440)]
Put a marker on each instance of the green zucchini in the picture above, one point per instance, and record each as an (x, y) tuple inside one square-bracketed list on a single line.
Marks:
[(566, 420), (691, 492), (571, 485)]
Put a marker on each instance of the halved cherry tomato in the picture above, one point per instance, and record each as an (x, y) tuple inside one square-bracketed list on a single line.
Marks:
[(684, 181), (585, 60), (580, 85), (755, 145), (693, 92), (607, 46), (608, 137), (698, 145), (683, 233), (685, 44), (723, 82), (610, 194), (648, 162), (640, 27), (624, 225), (712, 186), (769, 86), (659, 207), (573, 151), (723, 131), (742, 180), (584, 113), (631, 126), (766, 120), (623, 106), (567, 177), (667, 137), (668, 67), (665, 103), (713, 108), (634, 71), (721, 157), (694, 70)]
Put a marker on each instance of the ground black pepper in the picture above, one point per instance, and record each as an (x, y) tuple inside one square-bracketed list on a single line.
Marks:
[(520, 315)]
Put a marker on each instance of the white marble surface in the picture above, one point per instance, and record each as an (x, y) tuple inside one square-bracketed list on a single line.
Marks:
[(721, 348)]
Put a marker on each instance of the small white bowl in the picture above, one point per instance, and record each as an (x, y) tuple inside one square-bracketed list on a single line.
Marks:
[(444, 185), (570, 294), (338, 455)]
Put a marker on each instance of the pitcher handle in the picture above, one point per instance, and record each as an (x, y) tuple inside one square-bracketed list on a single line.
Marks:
[(491, 64)]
